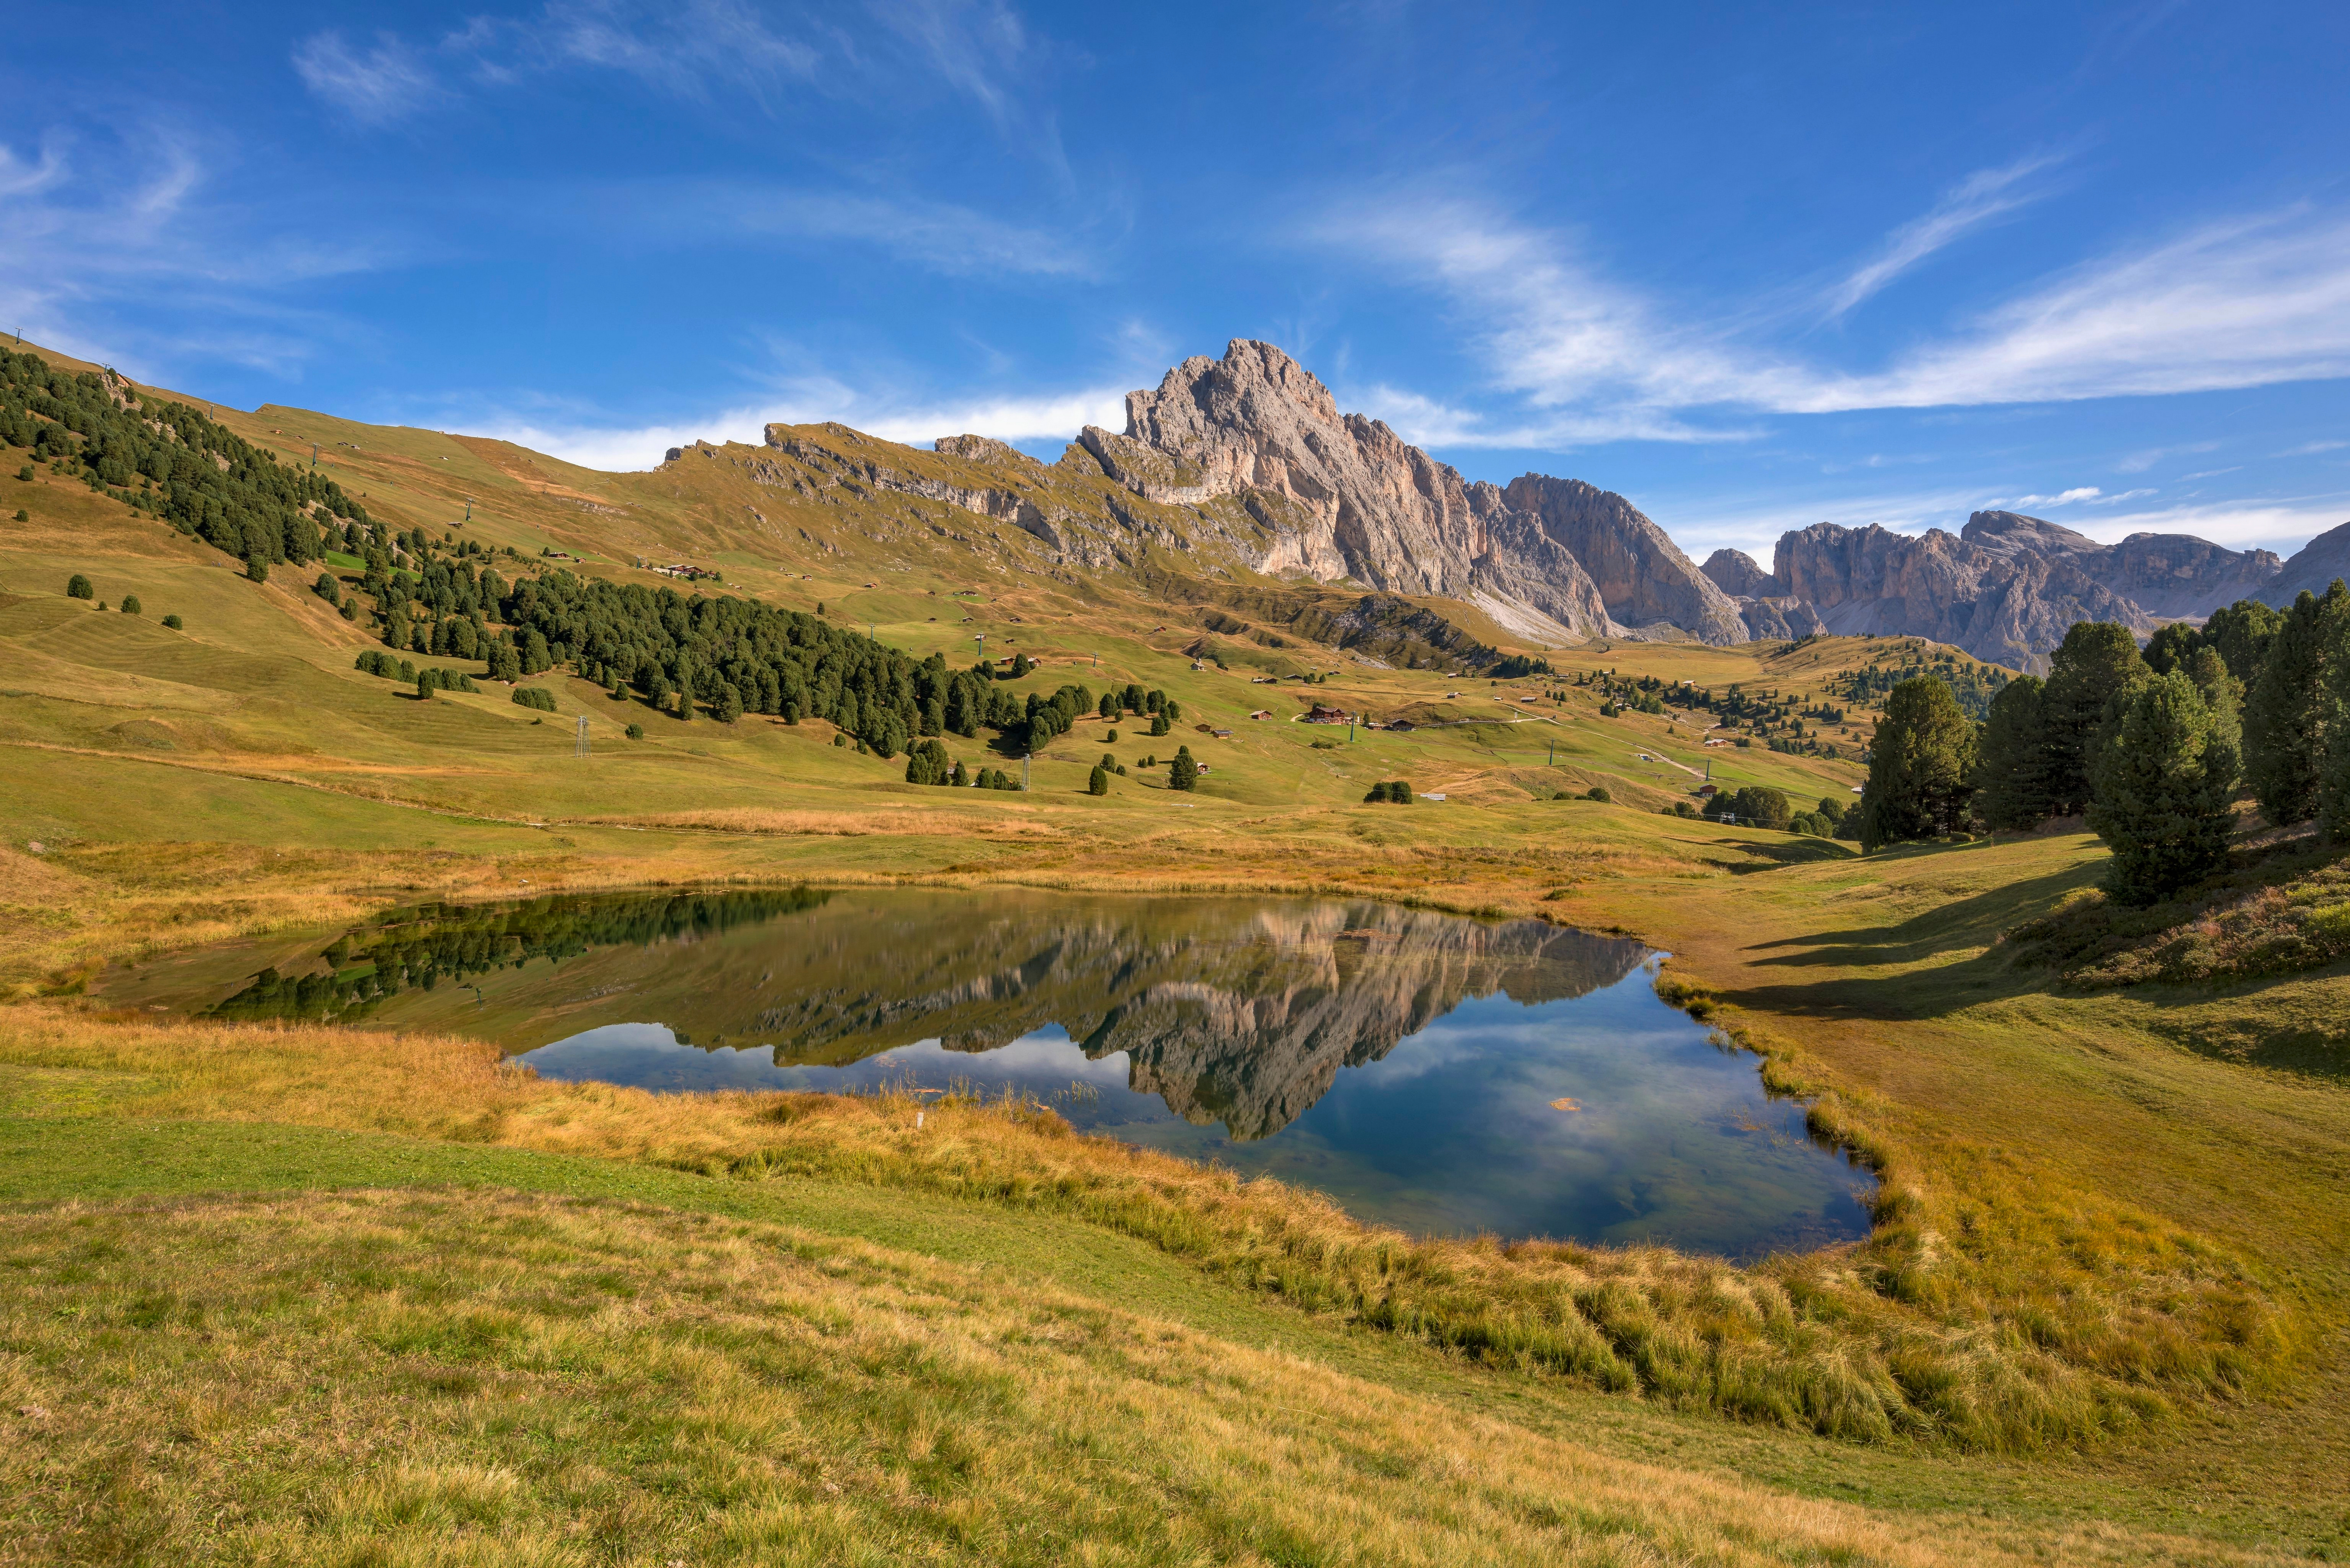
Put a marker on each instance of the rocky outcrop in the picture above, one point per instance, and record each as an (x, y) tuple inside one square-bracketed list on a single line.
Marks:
[(1149, 472), (1780, 620), (1345, 497), (2172, 576), (1735, 573), (2012, 533), (2009, 606), (1642, 577), (2311, 569)]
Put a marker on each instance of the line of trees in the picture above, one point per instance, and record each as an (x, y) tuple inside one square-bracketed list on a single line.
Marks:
[(169, 460), (2151, 748)]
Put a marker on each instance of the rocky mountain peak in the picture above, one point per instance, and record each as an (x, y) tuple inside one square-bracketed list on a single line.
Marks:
[(1342, 496), (2007, 532)]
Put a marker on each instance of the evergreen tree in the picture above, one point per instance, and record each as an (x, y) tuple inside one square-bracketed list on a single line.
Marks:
[(131, 604), (2287, 710), (2224, 696), (2096, 662), (79, 587), (1159, 726), (1920, 761), (256, 569), (2171, 646), (327, 589), (2012, 760), (2241, 634), (730, 705), (2161, 781), (1183, 773), (2333, 782), (424, 686), (1098, 782), (959, 779)]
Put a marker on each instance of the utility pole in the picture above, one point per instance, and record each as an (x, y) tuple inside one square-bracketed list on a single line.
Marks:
[(579, 745), (981, 641), (1025, 758), (314, 454), (469, 509), (1552, 762)]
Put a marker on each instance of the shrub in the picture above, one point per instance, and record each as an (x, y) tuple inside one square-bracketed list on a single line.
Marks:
[(327, 588), (1598, 793), (77, 587), (1111, 737), (839, 739), (927, 764), (1811, 824), (1683, 808), (131, 604), (635, 731), (172, 621), (537, 696), (1756, 806), (1396, 791), (22, 516), (1098, 782)]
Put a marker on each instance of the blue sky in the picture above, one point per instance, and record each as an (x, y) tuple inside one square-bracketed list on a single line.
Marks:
[(1753, 267)]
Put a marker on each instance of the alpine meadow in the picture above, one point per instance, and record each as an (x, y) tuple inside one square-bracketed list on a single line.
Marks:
[(929, 910)]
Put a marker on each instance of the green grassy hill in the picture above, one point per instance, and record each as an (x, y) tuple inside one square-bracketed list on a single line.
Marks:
[(332, 1295)]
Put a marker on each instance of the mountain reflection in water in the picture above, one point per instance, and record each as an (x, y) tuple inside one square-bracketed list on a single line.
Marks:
[(1427, 1071)]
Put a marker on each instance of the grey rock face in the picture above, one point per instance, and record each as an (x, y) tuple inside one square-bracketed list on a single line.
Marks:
[(2173, 575), (1780, 620), (982, 449), (2313, 568), (2010, 605), (1735, 573), (1345, 497), (2007, 532)]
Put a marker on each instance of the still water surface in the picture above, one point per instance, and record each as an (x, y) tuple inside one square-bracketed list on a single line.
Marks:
[(1440, 1075)]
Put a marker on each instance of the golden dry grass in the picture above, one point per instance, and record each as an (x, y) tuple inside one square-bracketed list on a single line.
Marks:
[(1979, 1340), (436, 1378)]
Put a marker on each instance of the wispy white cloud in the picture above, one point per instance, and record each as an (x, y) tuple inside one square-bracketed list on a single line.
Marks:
[(112, 222), (2242, 303), (2117, 499), (374, 86), (1974, 202), (1426, 422), (2211, 472), (2062, 498), (684, 49), (2311, 448), (2139, 462), (940, 236)]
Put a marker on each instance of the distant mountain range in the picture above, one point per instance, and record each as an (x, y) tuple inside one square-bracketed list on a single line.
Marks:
[(1248, 458)]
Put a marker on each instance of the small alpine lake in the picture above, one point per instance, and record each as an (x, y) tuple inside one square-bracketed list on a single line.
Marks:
[(1439, 1074)]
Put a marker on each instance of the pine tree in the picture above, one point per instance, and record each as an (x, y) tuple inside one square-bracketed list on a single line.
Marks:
[(1920, 765), (1098, 782), (2096, 662), (2333, 782), (2012, 761), (424, 686), (2285, 715), (1182, 773), (729, 704), (2160, 782), (79, 587), (2242, 633)]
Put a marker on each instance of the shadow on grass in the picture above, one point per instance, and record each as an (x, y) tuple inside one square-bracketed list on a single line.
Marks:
[(1964, 923)]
